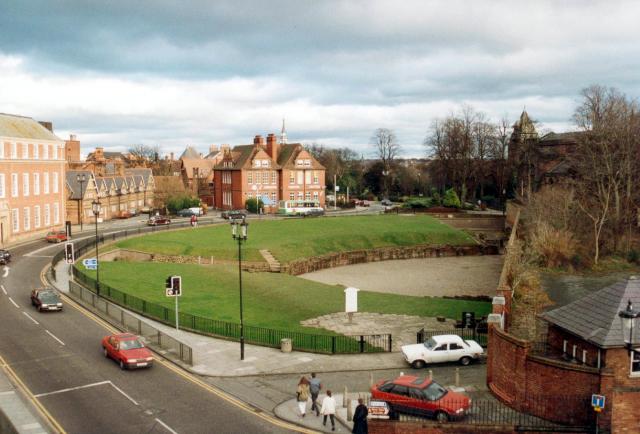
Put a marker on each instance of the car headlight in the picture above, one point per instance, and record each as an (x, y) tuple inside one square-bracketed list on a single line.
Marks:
[(45, 305), (149, 359), (132, 360), (460, 410)]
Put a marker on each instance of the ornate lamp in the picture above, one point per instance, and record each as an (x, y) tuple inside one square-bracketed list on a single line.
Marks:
[(628, 319)]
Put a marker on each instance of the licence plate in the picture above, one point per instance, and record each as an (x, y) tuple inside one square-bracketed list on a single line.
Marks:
[(141, 364), (53, 308)]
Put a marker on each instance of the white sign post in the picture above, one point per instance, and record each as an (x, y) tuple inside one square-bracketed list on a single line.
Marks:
[(351, 301), (174, 289)]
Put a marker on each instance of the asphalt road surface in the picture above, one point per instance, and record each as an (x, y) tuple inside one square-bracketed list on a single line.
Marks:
[(58, 356)]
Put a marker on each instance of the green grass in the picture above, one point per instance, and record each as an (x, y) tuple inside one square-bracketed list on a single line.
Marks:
[(271, 300), (302, 238)]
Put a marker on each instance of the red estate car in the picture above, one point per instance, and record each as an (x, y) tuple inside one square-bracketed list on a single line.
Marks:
[(56, 236), (128, 350), (422, 397)]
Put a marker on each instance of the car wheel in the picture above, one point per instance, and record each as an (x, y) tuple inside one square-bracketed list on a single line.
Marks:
[(122, 365), (442, 417), (465, 361), (418, 364), (105, 352)]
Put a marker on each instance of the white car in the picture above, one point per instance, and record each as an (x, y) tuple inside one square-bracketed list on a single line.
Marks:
[(442, 348)]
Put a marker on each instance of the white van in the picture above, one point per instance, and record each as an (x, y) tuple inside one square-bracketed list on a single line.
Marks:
[(197, 211)]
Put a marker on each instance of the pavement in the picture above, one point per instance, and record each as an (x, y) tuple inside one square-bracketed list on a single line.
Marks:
[(15, 411)]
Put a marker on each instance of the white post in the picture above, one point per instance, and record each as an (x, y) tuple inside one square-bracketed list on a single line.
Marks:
[(176, 312), (335, 193)]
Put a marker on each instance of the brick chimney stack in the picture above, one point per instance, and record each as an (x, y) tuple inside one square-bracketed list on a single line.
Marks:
[(99, 154), (213, 148), (273, 148), (72, 148), (258, 140)]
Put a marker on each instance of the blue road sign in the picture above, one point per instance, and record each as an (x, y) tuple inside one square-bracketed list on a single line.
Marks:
[(90, 264), (91, 267), (597, 401)]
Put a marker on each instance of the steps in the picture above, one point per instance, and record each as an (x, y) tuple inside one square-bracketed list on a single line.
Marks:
[(274, 265)]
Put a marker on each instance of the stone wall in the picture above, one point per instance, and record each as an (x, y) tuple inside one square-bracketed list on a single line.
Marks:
[(332, 260)]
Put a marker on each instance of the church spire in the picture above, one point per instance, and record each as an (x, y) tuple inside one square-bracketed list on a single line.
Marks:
[(283, 134)]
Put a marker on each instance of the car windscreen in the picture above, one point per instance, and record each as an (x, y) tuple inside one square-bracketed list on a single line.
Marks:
[(434, 391), (131, 344), (430, 343), (48, 297)]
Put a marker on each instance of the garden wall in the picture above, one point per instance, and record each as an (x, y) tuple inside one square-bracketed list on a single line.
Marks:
[(332, 260)]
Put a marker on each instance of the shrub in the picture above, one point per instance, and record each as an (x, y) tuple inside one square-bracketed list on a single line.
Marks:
[(633, 256), (417, 203), (553, 247), (451, 199), (176, 203), (253, 204)]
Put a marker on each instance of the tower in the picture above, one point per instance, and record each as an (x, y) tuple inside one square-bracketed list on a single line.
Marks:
[(283, 134)]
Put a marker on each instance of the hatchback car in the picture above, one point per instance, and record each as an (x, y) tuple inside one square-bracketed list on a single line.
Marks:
[(127, 350), (56, 236), (46, 299), (5, 257), (159, 220), (422, 397), (234, 214)]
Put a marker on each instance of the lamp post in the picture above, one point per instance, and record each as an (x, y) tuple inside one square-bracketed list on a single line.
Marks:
[(628, 317), (239, 232), (95, 206), (81, 180)]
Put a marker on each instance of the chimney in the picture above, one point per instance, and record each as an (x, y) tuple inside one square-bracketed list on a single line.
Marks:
[(99, 155), (258, 140), (213, 148), (273, 147), (47, 124), (72, 148), (171, 156)]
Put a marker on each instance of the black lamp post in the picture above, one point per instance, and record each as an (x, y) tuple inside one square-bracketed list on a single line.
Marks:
[(95, 206), (628, 317), (81, 180), (239, 232)]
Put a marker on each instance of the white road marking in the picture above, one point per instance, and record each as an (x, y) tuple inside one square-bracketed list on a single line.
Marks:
[(54, 337), (125, 395), (14, 303), (72, 388), (40, 256), (166, 426), (6, 271), (8, 392), (29, 316), (3, 290)]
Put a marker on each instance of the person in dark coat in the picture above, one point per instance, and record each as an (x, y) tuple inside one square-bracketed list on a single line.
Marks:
[(360, 419)]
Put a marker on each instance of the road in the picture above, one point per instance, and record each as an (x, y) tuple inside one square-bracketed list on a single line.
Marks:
[(58, 358)]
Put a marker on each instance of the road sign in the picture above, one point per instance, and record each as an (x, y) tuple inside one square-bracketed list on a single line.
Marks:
[(69, 255), (91, 267), (597, 402), (90, 264)]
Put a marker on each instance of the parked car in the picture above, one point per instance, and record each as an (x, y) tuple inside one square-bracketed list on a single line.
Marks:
[(46, 299), (234, 214), (442, 348), (127, 350), (56, 236), (362, 203), (314, 212), (421, 397), (158, 220), (386, 202), (5, 257), (124, 214), (187, 212)]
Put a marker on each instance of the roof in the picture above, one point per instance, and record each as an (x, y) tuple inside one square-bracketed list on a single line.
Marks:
[(569, 137), (240, 155), (594, 317), (74, 185), (205, 167), (190, 152), (412, 381), (22, 127), (144, 173), (286, 152)]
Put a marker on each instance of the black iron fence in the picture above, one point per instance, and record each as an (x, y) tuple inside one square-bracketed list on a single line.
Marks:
[(476, 334)]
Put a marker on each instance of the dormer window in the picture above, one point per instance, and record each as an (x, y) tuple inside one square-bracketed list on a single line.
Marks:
[(307, 163), (299, 163), (265, 163)]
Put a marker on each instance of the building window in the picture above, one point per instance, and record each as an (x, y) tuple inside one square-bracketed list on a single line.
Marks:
[(273, 177), (45, 152), (14, 185), (15, 220), (1, 149), (307, 163), (45, 184), (25, 151), (307, 195), (36, 216), (300, 195), (307, 178), (298, 162), (250, 177), (14, 150), (292, 196), (47, 215), (2, 185), (292, 178), (315, 177), (300, 177), (635, 363), (56, 213), (273, 197), (315, 195), (36, 184), (55, 152), (265, 177), (25, 184), (55, 182), (36, 151), (27, 218)]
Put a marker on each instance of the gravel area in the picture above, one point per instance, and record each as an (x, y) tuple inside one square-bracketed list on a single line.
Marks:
[(450, 276)]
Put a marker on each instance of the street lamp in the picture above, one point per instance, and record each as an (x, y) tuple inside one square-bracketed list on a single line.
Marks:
[(95, 206), (627, 318), (81, 180), (239, 232)]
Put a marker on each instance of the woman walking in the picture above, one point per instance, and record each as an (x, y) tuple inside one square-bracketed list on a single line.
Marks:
[(302, 395)]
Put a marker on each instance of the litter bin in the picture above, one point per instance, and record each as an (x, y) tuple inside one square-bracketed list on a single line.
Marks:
[(285, 345)]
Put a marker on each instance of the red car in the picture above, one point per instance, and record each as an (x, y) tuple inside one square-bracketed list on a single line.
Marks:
[(421, 396), (128, 350), (158, 220), (56, 236)]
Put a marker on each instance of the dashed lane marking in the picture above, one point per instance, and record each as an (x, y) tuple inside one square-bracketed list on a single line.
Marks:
[(166, 426), (3, 290), (14, 303), (30, 317), (54, 337), (125, 395)]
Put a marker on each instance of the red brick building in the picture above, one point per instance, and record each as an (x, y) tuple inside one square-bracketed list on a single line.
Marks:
[(271, 170)]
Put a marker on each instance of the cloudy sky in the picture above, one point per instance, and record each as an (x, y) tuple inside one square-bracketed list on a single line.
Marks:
[(177, 73)]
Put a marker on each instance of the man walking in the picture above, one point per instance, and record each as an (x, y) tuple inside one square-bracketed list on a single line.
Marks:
[(329, 409), (315, 386)]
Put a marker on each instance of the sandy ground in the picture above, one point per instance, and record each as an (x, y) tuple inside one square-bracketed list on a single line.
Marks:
[(459, 275)]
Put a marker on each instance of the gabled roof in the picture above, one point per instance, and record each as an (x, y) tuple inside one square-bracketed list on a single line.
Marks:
[(594, 317), (205, 167), (240, 155), (144, 172), (286, 153), (71, 177), (190, 152), (568, 138), (22, 127)]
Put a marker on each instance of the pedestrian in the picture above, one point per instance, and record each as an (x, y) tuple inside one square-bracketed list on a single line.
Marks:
[(329, 409), (195, 221), (360, 418), (315, 386), (302, 395)]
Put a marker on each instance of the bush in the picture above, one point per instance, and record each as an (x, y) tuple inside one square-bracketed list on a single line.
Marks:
[(253, 204), (553, 247), (633, 256), (451, 199), (176, 203), (417, 203)]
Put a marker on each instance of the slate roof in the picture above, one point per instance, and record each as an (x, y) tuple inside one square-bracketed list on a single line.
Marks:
[(145, 173), (595, 316), (24, 128), (556, 138), (190, 152), (74, 185)]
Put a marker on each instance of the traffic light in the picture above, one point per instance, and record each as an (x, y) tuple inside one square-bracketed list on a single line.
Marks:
[(168, 283), (176, 285), (68, 253)]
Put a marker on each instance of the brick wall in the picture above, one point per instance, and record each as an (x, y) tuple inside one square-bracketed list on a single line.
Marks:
[(556, 338), (395, 427), (625, 414)]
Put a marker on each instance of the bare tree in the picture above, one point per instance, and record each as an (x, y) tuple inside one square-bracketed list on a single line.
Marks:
[(145, 152), (387, 150)]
